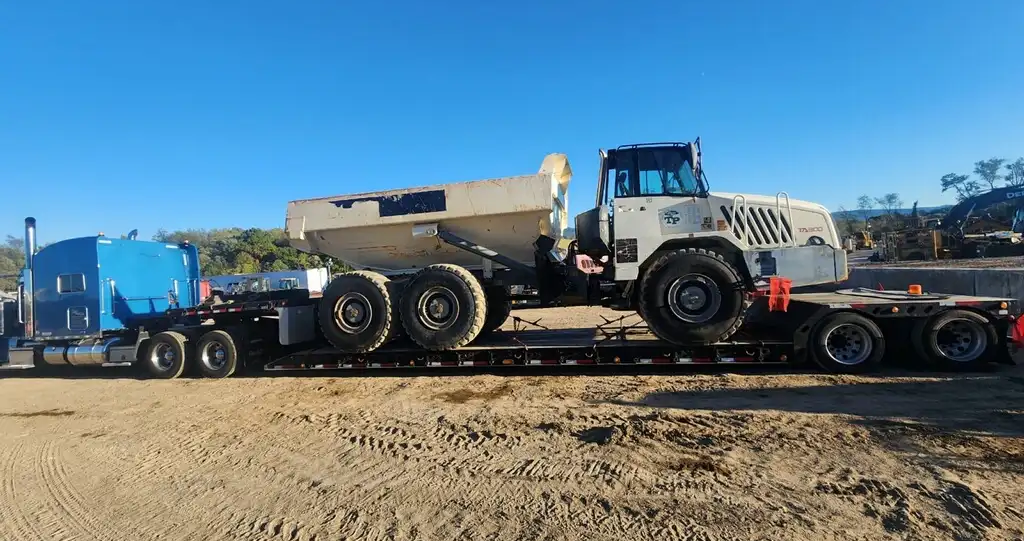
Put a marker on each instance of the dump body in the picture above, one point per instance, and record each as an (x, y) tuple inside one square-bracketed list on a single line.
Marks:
[(375, 230)]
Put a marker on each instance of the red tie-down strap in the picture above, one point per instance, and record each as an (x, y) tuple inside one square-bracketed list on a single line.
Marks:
[(778, 293)]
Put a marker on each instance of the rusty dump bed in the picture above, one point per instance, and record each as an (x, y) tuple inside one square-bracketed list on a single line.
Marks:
[(768, 337)]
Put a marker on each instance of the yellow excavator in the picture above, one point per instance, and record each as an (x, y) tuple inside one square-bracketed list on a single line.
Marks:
[(862, 241)]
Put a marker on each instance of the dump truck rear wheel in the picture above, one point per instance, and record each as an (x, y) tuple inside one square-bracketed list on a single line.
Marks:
[(692, 295), (443, 307), (216, 354), (166, 355), (499, 307), (955, 340), (356, 312), (847, 343)]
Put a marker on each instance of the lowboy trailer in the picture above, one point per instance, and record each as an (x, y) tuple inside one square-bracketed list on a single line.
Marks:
[(847, 331), (709, 275)]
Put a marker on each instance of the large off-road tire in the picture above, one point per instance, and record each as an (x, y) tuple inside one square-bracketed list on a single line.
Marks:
[(443, 307), (692, 296), (499, 307), (847, 343), (216, 354), (357, 313), (166, 355), (956, 340)]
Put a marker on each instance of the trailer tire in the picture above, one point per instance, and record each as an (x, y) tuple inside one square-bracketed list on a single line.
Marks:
[(955, 340), (715, 283), (166, 355), (847, 343), (356, 312), (499, 307), (216, 354), (443, 307)]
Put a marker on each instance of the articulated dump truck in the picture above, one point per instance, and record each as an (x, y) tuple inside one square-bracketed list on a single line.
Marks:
[(708, 273), (436, 262)]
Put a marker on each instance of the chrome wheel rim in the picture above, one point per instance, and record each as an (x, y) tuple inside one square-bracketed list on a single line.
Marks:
[(214, 355), (352, 312), (848, 344), (438, 308), (694, 298), (961, 340), (163, 357)]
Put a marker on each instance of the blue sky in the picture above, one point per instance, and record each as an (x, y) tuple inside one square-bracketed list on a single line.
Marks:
[(122, 114)]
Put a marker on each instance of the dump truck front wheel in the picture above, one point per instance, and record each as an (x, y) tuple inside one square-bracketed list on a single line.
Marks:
[(443, 307), (692, 295), (356, 314)]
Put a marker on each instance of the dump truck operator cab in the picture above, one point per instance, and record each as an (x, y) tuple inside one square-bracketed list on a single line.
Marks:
[(685, 257), (638, 172)]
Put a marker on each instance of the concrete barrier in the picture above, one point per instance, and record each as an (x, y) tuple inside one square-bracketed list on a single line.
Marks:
[(983, 282)]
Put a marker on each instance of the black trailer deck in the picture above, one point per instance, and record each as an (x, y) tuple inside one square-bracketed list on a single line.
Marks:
[(771, 336)]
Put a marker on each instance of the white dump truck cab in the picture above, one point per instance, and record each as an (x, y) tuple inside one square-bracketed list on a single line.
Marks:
[(673, 246)]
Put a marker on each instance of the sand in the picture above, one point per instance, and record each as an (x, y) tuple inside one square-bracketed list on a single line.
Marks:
[(513, 453)]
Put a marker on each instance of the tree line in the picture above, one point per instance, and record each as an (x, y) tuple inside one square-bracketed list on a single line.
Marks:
[(221, 251), (987, 175)]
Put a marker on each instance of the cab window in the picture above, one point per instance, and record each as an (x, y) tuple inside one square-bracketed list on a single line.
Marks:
[(70, 283)]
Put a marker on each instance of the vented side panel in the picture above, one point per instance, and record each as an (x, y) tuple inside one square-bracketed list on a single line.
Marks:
[(760, 226)]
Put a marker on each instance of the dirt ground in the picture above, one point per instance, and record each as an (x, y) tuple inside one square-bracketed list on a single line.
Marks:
[(513, 454)]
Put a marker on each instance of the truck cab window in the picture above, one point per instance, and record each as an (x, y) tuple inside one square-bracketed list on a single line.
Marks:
[(70, 283), (653, 171)]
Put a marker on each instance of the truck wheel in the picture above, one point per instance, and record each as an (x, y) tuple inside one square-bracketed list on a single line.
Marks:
[(499, 307), (955, 340), (166, 355), (847, 343), (443, 307), (692, 295), (216, 355), (356, 314)]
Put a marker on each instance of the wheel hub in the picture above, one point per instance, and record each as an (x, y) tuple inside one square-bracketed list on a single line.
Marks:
[(694, 298), (848, 345), (961, 340), (213, 356), (163, 357), (438, 308), (352, 313)]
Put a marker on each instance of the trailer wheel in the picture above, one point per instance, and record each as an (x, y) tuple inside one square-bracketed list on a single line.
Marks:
[(166, 355), (216, 355), (499, 307), (443, 307), (847, 343), (356, 313), (955, 340), (692, 295)]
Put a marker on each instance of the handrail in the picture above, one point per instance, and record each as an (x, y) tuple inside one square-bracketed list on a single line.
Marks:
[(739, 208), (789, 216)]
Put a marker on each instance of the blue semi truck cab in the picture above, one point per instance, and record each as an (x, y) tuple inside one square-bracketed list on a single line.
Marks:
[(85, 301)]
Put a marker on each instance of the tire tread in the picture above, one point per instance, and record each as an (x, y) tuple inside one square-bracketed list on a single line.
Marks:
[(667, 257)]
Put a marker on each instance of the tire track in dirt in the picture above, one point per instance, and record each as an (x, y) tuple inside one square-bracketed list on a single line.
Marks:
[(65, 501), (13, 515), (472, 453)]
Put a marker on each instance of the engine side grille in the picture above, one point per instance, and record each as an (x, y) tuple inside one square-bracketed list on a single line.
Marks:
[(760, 227)]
